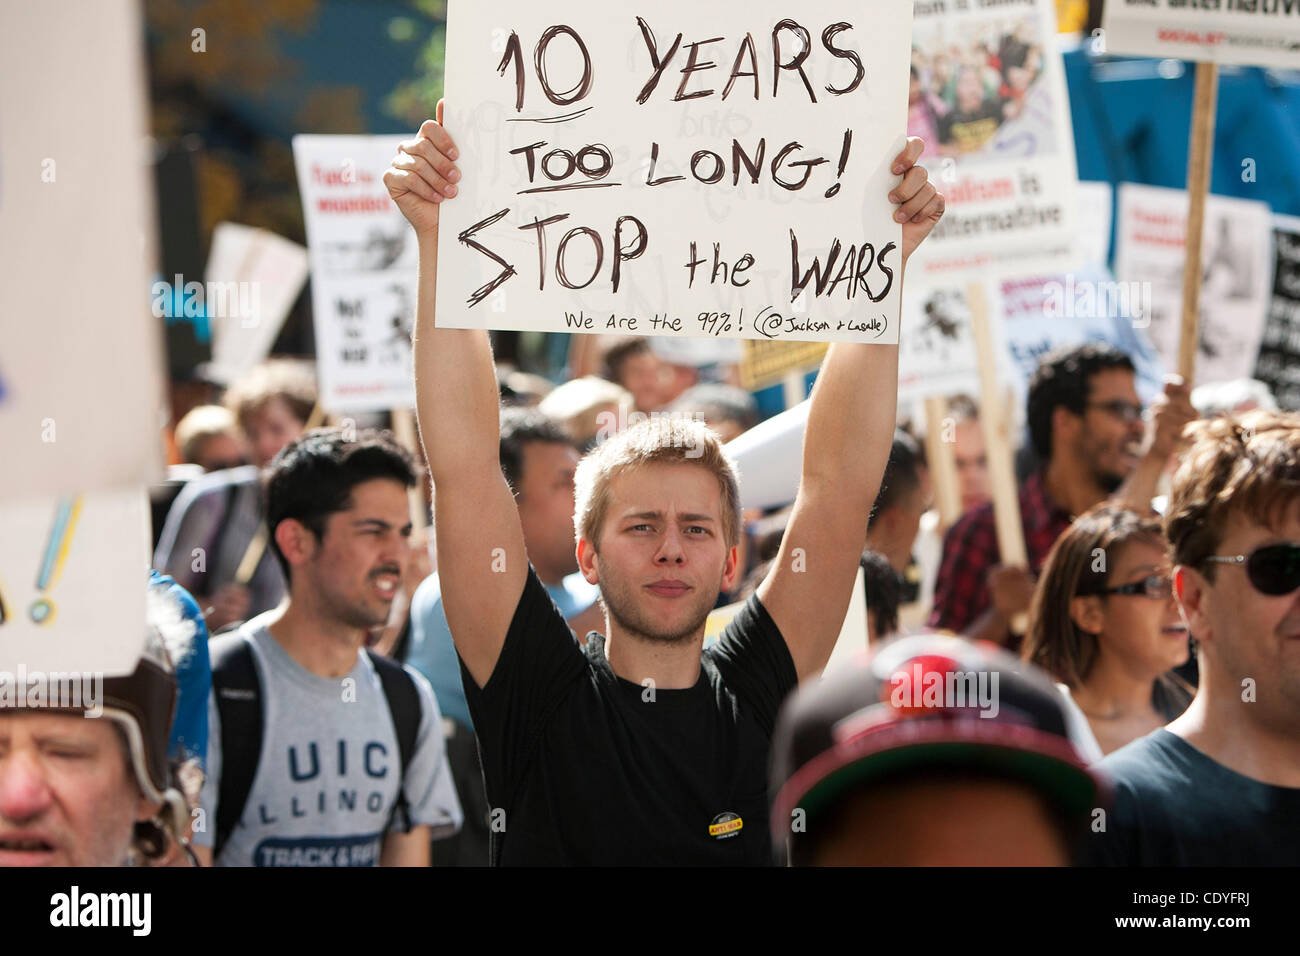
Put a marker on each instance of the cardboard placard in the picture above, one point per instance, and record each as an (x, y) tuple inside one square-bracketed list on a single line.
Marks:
[(363, 272), (688, 170), (80, 352), (988, 96), (1278, 365), (1245, 32), (73, 576), (264, 273), (1235, 274)]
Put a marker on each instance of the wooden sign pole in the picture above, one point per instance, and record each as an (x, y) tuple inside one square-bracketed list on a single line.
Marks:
[(1199, 155), (998, 444), (943, 462)]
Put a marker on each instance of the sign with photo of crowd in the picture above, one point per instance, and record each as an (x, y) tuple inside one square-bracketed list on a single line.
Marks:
[(685, 169), (987, 94)]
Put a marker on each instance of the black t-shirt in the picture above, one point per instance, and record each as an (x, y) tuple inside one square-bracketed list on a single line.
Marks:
[(1175, 806), (592, 769)]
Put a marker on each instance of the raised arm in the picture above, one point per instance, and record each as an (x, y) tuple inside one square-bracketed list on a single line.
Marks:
[(846, 446), (481, 558)]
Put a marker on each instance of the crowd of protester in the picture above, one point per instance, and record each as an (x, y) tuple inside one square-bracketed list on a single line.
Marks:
[(961, 92), (344, 690)]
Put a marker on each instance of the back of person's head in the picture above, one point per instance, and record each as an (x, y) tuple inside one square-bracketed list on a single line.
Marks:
[(1064, 379), (962, 408), (620, 353), (587, 408), (903, 474), (1247, 466), (199, 426), (289, 380), (519, 428), (929, 750), (727, 409), (1079, 565), (313, 477), (662, 439), (883, 592)]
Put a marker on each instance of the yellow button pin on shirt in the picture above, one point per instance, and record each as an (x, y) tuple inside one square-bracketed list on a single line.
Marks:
[(725, 825)]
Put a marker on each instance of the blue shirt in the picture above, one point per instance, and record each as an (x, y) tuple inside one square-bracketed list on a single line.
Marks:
[(433, 654)]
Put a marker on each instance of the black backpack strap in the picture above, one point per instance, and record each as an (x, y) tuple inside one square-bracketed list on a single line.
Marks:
[(404, 705), (239, 705)]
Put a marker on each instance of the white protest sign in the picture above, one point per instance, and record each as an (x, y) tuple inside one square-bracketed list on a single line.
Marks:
[(687, 169), (363, 261), (263, 273), (80, 354), (1096, 201), (988, 96), (73, 574), (1247, 32), (1235, 268), (1043, 313), (936, 353)]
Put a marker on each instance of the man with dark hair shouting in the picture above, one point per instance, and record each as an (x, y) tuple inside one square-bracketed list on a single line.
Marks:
[(639, 748), (322, 753)]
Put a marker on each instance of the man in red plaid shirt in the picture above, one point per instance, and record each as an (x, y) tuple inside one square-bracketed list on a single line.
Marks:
[(1086, 425)]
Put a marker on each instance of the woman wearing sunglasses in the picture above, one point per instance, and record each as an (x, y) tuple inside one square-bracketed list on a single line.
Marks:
[(1104, 623)]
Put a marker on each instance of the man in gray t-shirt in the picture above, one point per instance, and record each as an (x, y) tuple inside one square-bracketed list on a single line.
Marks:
[(329, 771), (329, 774)]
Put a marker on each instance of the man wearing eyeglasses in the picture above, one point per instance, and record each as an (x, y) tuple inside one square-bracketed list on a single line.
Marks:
[(1087, 428), (1220, 785)]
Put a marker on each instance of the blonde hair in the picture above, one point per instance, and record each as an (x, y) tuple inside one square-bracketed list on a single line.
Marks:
[(200, 424), (663, 438), (578, 404), (293, 381)]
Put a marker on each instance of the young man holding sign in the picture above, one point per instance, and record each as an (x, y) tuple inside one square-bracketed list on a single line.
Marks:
[(642, 749)]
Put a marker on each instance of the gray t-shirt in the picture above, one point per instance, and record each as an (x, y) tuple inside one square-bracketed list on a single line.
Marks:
[(328, 775)]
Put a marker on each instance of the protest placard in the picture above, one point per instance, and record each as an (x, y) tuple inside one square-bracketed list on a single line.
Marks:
[(264, 273), (1235, 274), (936, 355), (695, 170), (767, 363), (1279, 349), (988, 96), (1043, 313), (73, 572), (1248, 32), (363, 260), (77, 242), (1096, 202)]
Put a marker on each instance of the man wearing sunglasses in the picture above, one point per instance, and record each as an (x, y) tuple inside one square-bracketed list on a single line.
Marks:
[(1220, 785)]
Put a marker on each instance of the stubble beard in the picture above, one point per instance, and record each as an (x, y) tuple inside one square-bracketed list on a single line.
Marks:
[(620, 603)]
